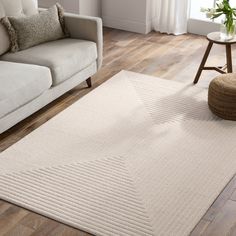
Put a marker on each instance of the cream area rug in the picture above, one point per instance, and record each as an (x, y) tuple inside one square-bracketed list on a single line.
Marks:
[(137, 156)]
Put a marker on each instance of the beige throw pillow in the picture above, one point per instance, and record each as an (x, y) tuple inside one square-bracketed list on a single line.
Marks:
[(29, 31)]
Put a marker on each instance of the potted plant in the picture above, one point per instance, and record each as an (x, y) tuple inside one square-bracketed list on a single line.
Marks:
[(223, 8)]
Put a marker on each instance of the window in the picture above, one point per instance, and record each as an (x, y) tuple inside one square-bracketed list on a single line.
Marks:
[(198, 23), (197, 4)]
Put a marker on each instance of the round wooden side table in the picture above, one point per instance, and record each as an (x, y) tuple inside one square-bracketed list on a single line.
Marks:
[(228, 68)]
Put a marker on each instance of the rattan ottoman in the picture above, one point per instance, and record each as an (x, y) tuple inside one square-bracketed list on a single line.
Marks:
[(222, 96)]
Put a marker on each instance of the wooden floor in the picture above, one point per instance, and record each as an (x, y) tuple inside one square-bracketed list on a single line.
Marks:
[(170, 57)]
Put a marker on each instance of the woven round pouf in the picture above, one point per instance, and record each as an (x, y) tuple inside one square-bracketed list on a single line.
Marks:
[(222, 96)]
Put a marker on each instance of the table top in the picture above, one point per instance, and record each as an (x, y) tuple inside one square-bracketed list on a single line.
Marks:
[(215, 38)]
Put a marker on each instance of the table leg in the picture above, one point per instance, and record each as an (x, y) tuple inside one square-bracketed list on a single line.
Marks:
[(203, 62), (229, 58)]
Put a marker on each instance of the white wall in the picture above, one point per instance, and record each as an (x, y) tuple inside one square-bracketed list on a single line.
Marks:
[(90, 7), (69, 6), (84, 7), (130, 15)]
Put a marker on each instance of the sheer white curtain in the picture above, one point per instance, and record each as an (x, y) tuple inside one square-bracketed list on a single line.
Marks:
[(170, 16)]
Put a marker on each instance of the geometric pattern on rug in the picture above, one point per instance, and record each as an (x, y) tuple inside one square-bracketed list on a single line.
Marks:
[(110, 200), (187, 103)]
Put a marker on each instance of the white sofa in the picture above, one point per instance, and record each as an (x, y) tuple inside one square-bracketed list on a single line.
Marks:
[(32, 78)]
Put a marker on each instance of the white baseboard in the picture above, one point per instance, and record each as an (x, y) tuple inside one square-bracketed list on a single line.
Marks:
[(195, 26), (128, 25)]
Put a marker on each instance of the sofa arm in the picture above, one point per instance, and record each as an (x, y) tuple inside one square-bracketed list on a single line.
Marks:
[(87, 28)]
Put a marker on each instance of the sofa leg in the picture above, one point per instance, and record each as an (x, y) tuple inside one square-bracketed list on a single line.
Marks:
[(89, 82)]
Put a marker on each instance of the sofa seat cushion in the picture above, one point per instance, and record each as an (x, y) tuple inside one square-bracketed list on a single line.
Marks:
[(64, 57), (20, 84)]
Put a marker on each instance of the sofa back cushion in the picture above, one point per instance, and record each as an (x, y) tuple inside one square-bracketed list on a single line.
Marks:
[(14, 8), (4, 39)]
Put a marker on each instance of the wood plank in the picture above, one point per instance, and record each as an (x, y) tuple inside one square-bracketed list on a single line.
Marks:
[(4, 206), (19, 230), (63, 230), (224, 223), (10, 218), (46, 228), (200, 228), (33, 221)]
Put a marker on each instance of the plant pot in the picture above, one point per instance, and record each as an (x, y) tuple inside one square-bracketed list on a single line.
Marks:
[(227, 33)]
